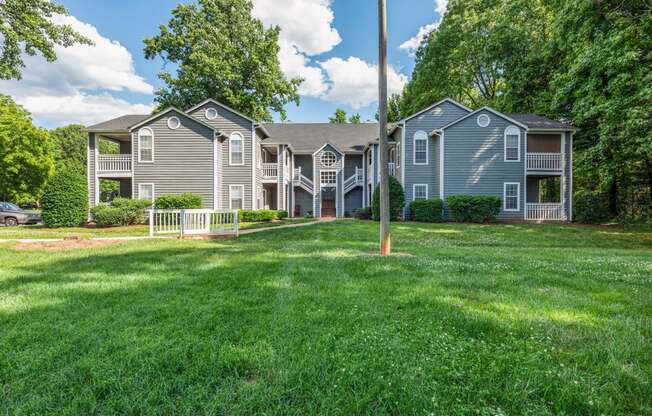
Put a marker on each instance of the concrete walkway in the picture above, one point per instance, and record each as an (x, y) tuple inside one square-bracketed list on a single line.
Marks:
[(146, 237)]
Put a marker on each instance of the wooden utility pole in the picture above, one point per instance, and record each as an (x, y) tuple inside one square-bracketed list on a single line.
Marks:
[(385, 237)]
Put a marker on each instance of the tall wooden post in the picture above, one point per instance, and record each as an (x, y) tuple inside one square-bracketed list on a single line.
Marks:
[(385, 237)]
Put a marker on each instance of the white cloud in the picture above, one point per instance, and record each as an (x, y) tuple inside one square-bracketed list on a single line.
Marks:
[(355, 82), (73, 88), (306, 30), (411, 45)]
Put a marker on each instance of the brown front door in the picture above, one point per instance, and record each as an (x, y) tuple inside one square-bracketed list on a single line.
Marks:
[(328, 208)]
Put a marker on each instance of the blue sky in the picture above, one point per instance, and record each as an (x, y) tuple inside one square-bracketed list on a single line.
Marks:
[(333, 43)]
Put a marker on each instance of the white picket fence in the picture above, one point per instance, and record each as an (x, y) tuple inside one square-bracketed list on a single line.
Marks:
[(193, 222)]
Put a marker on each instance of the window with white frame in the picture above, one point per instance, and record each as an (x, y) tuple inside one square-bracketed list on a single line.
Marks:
[(398, 154), (211, 113), (483, 120), (145, 145), (421, 191), (236, 196), (328, 158), (511, 196), (236, 149), (328, 178), (146, 191), (512, 144), (174, 123), (421, 148)]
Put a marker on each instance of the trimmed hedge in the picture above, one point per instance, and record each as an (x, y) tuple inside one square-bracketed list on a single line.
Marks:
[(590, 207), (182, 201), (65, 200), (260, 215), (427, 210), (121, 212), (473, 208), (362, 213), (396, 200)]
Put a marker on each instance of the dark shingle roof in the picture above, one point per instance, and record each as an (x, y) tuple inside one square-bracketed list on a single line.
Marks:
[(119, 124), (310, 137), (534, 121)]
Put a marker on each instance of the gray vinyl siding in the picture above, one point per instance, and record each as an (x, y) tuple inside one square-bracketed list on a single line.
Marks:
[(183, 159), (259, 172), (228, 122), (351, 162), (92, 179), (433, 119), (282, 198), (303, 200), (318, 167), (305, 163), (353, 201), (474, 161)]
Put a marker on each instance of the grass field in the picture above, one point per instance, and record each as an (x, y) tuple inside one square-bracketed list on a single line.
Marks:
[(39, 231), (463, 319)]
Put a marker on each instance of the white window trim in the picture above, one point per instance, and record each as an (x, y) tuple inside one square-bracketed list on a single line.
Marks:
[(477, 120), (321, 184), (414, 190), (324, 153), (508, 130), (140, 160), (178, 122), (518, 196), (240, 137), (209, 109), (140, 185), (414, 148), (231, 187)]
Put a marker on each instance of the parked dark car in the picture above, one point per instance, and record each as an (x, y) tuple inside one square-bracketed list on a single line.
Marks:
[(12, 215)]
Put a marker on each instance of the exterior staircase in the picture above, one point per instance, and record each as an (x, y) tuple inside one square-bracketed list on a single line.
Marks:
[(303, 182), (353, 181)]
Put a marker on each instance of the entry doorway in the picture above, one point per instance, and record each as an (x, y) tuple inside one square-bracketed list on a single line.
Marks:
[(328, 203)]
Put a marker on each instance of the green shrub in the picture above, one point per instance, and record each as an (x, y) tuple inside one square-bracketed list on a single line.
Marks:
[(473, 208), (121, 212), (182, 201), (247, 215), (362, 213), (65, 199), (590, 207), (282, 214), (427, 210), (396, 200)]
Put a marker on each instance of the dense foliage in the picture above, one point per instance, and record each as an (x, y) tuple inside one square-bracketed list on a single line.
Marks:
[(590, 207), (221, 51), (65, 199), (362, 213), (260, 215), (588, 62), (28, 27), (396, 200), (473, 208), (121, 212), (182, 201), (427, 210), (26, 154)]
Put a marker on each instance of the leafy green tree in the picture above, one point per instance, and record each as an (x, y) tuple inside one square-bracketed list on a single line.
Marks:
[(355, 118), (71, 146), (26, 154), (65, 199), (221, 51), (339, 117), (26, 26), (393, 109)]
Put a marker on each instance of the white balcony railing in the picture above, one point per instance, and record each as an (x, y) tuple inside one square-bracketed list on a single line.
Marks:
[(301, 180), (545, 212), (391, 167), (544, 161), (114, 164), (270, 170)]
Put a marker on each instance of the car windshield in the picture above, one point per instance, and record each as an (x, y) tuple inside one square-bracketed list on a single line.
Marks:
[(11, 207)]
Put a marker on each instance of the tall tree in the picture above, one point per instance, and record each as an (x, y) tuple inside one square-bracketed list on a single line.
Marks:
[(26, 154), (355, 118), (27, 26), (71, 146), (221, 51), (339, 117), (393, 109)]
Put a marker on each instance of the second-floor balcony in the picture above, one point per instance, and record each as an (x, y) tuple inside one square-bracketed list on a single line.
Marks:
[(270, 171), (114, 165), (544, 161)]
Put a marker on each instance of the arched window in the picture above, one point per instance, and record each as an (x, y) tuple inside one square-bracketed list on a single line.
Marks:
[(145, 145), (236, 149), (328, 158), (512, 144), (420, 148)]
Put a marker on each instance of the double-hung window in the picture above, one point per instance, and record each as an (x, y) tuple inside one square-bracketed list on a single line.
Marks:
[(420, 191), (236, 149), (511, 196), (512, 144), (236, 196), (145, 145), (146, 191), (420, 148)]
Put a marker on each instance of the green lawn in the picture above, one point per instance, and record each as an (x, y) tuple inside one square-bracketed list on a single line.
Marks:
[(478, 320), (39, 231)]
